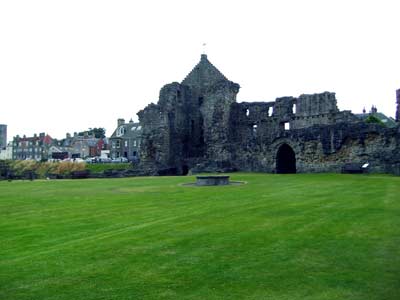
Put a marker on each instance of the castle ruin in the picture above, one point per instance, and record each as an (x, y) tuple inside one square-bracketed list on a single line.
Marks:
[(198, 126)]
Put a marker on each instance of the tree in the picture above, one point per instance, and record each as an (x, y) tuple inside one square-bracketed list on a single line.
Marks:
[(374, 119), (99, 133)]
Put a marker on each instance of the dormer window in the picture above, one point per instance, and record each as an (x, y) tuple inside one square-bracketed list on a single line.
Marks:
[(120, 131)]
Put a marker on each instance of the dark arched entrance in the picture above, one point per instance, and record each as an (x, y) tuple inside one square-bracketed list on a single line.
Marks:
[(185, 170), (285, 160)]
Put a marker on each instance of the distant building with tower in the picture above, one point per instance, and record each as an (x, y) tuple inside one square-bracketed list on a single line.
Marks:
[(3, 136)]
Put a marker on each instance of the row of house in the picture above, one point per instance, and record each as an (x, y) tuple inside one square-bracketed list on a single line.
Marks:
[(124, 142)]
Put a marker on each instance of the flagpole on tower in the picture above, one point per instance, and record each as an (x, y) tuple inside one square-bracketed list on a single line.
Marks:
[(204, 48)]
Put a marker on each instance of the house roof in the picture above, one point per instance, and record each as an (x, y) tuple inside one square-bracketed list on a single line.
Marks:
[(130, 129), (46, 139)]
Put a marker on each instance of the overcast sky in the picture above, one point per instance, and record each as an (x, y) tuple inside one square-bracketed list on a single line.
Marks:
[(67, 66)]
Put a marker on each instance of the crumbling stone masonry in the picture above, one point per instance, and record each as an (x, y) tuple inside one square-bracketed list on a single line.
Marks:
[(398, 105), (198, 126)]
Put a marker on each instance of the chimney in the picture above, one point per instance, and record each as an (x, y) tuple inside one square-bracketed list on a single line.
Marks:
[(68, 135), (121, 122)]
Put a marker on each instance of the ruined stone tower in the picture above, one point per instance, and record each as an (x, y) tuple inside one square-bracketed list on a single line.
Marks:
[(198, 126), (398, 105), (190, 123)]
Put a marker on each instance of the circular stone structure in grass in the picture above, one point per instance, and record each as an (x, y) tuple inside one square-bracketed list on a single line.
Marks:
[(213, 180)]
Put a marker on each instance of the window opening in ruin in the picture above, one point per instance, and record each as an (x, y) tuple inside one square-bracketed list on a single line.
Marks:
[(202, 137), (286, 125), (270, 111), (201, 99), (285, 160), (247, 112), (254, 129), (294, 108)]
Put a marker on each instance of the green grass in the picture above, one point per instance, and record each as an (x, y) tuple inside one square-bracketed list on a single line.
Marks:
[(319, 236), (99, 167)]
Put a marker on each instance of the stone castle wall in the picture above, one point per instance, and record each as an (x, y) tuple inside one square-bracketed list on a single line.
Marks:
[(198, 126)]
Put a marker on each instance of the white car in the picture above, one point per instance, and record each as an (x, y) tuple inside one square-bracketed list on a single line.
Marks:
[(120, 160)]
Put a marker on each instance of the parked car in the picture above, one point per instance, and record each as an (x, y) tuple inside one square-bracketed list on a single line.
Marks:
[(120, 160), (104, 160), (91, 160)]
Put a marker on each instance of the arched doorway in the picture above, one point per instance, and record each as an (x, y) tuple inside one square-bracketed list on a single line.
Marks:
[(285, 160), (185, 170)]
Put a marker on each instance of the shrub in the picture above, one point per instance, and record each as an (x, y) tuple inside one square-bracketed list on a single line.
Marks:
[(374, 120), (20, 168)]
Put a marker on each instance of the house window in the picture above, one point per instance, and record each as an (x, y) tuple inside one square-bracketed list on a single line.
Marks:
[(120, 131), (134, 153), (118, 144), (134, 143), (126, 143)]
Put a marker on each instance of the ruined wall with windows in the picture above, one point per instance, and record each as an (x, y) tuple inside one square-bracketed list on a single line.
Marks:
[(398, 105), (198, 126)]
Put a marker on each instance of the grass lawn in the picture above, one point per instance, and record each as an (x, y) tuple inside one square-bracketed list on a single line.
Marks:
[(101, 167), (316, 236)]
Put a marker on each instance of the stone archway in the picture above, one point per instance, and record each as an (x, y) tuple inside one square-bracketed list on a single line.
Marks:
[(185, 170), (285, 160)]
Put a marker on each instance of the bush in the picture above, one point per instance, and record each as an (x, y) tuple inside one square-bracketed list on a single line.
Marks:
[(20, 168), (374, 120)]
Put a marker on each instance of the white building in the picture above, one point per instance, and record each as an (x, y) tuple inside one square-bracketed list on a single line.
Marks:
[(7, 152)]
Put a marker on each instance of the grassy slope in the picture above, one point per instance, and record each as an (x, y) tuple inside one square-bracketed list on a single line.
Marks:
[(278, 237)]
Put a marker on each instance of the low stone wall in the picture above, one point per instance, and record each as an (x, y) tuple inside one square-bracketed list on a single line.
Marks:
[(212, 180)]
